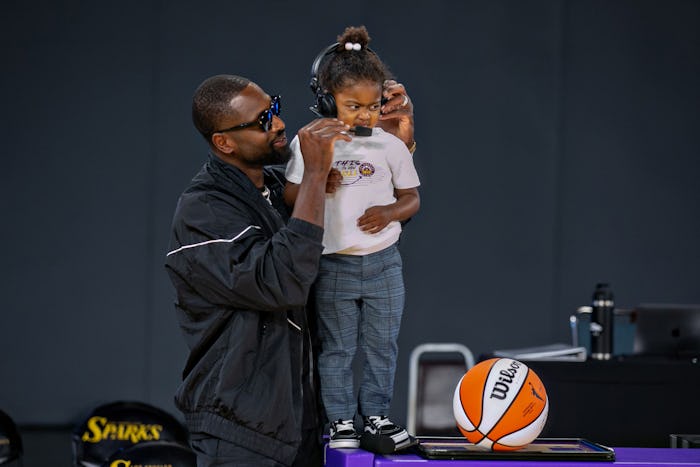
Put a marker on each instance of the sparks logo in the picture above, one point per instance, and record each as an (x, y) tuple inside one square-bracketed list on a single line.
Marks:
[(123, 463), (366, 169), (100, 428)]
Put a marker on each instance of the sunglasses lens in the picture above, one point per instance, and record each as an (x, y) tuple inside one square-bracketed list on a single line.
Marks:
[(266, 120), (276, 105)]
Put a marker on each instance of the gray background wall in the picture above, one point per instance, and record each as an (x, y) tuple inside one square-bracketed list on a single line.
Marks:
[(558, 146)]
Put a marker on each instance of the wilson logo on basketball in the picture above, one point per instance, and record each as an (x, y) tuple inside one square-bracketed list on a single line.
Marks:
[(502, 386), (100, 428)]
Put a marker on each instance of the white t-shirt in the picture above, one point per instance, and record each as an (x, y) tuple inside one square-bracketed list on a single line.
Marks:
[(372, 167)]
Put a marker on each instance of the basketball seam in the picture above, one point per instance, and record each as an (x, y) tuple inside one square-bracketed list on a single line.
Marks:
[(481, 412), (508, 408), (466, 413), (507, 434), (480, 439)]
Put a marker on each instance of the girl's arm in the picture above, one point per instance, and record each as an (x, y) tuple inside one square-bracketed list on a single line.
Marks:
[(377, 217)]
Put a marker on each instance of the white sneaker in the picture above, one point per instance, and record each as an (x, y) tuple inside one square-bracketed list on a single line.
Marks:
[(343, 435)]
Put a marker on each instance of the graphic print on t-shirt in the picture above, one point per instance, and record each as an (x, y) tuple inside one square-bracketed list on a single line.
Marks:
[(359, 173)]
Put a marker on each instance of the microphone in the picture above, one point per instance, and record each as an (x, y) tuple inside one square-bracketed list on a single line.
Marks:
[(361, 131)]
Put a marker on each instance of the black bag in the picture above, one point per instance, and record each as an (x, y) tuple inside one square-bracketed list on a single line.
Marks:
[(10, 441)]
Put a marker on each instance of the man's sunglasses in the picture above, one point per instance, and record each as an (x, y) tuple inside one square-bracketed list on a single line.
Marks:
[(264, 120)]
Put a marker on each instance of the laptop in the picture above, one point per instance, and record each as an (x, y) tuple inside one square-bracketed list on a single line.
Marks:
[(667, 330)]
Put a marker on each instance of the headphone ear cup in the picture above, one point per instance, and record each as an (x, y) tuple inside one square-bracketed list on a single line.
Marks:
[(325, 103)]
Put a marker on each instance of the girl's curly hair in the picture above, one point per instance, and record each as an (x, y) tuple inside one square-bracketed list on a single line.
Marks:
[(346, 67)]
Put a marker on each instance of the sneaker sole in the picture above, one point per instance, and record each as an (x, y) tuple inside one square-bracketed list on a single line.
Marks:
[(405, 443), (344, 443), (398, 438)]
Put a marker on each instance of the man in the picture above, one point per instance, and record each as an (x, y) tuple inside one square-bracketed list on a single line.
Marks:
[(242, 268)]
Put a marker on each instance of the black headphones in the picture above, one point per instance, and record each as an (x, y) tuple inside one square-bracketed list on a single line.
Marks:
[(324, 103)]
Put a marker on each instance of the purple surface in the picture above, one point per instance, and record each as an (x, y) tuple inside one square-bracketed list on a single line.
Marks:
[(348, 457), (656, 456), (629, 457)]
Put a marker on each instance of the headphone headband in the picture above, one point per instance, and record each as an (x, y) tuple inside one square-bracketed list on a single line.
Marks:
[(316, 65)]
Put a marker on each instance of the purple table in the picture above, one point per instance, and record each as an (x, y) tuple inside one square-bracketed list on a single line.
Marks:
[(627, 457)]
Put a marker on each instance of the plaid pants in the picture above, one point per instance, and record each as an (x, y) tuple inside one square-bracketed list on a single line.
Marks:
[(359, 303)]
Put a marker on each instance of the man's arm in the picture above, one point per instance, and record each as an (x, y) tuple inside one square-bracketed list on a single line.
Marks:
[(290, 193), (316, 144)]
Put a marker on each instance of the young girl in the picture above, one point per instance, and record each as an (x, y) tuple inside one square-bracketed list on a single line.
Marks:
[(359, 293)]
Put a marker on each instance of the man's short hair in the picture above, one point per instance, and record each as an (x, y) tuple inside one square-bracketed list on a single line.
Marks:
[(210, 103)]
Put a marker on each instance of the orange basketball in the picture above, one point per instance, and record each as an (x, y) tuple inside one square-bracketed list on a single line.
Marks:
[(500, 404)]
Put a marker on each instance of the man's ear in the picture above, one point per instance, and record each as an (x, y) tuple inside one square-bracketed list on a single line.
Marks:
[(223, 143)]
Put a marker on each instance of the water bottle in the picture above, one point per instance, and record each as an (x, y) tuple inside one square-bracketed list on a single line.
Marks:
[(602, 322)]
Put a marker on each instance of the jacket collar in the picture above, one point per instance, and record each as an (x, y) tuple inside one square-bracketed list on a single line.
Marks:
[(230, 177), (231, 173)]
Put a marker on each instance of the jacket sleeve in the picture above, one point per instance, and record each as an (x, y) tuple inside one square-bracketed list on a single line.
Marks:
[(220, 253)]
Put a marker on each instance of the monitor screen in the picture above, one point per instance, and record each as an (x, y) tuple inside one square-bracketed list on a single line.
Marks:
[(667, 330)]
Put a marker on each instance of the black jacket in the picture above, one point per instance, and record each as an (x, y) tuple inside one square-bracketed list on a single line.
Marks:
[(242, 273)]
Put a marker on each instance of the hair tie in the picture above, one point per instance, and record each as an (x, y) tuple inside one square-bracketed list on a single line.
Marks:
[(352, 46)]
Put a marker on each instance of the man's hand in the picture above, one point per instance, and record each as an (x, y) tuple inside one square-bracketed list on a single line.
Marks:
[(397, 114), (317, 139)]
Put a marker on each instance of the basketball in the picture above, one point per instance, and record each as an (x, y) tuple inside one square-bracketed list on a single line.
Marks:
[(500, 404)]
